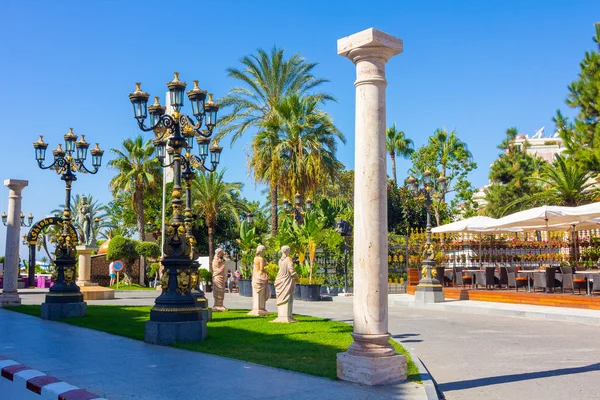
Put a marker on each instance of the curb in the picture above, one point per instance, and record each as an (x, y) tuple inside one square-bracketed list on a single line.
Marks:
[(429, 384), (39, 383)]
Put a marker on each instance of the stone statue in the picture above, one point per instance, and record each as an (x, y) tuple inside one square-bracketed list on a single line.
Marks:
[(261, 290), (218, 280), (285, 284), (84, 220)]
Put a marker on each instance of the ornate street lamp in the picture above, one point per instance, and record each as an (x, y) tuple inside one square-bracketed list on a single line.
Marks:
[(429, 289), (344, 228), (297, 210), (64, 298), (23, 223), (176, 306)]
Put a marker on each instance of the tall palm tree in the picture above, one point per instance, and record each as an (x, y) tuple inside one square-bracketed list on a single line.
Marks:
[(214, 196), (265, 79), (138, 172), (306, 147), (398, 145)]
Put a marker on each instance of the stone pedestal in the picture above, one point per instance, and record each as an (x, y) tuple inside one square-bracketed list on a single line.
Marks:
[(85, 265), (371, 353), (429, 290), (284, 312), (54, 311), (203, 303), (166, 333), (9, 296)]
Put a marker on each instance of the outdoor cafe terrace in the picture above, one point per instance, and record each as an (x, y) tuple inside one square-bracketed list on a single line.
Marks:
[(545, 256)]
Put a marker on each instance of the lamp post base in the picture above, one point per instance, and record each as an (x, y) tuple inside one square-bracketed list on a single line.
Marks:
[(167, 333), (429, 290), (54, 311)]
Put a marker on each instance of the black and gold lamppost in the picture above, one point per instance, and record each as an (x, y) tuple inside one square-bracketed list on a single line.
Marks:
[(297, 209), (429, 289), (23, 223), (64, 298), (176, 316)]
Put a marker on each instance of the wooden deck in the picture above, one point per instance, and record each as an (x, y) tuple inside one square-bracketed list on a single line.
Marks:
[(521, 297)]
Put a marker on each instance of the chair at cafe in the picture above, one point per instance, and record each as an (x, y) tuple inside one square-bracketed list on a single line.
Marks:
[(514, 280), (486, 278), (545, 280), (571, 281), (462, 279), (595, 287), (503, 281), (439, 275)]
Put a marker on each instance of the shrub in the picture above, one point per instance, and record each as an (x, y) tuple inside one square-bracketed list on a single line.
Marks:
[(153, 269), (147, 249), (272, 270), (205, 275), (124, 249), (316, 280)]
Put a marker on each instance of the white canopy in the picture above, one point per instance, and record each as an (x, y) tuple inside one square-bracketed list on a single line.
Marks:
[(473, 224), (548, 217)]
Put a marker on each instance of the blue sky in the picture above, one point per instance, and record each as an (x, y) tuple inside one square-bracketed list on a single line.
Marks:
[(475, 66)]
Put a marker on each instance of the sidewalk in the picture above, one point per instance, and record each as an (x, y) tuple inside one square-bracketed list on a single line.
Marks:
[(120, 368), (534, 312)]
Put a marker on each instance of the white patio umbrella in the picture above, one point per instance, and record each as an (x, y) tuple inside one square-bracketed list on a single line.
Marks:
[(473, 224)]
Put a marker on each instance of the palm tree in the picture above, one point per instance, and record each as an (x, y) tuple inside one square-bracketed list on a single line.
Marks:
[(306, 146), (398, 145), (213, 196), (266, 78), (139, 172), (564, 183)]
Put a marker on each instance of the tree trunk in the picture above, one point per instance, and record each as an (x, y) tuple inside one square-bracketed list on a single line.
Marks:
[(138, 203), (211, 245), (393, 157), (274, 216)]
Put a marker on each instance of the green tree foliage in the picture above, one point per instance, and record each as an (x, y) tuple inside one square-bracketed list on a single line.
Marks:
[(124, 249), (139, 173), (265, 79), (510, 177), (445, 154), (247, 242), (398, 144), (406, 211), (147, 249), (213, 196), (582, 136), (562, 183), (341, 187)]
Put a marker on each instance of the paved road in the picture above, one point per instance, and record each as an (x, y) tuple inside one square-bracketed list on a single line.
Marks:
[(476, 356)]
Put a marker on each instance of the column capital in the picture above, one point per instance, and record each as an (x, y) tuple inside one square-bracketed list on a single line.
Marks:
[(370, 43), (16, 184)]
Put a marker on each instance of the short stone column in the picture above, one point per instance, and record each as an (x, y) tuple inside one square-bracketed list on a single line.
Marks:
[(85, 265), (11, 263), (371, 359)]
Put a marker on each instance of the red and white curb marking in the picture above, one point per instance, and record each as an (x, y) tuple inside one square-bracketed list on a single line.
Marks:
[(46, 386)]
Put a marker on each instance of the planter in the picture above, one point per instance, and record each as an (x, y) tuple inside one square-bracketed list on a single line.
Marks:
[(245, 287), (330, 290), (297, 293), (273, 293), (413, 276), (310, 292)]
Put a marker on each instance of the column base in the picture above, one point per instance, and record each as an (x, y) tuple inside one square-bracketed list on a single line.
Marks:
[(97, 293), (54, 311), (166, 333), (10, 299), (371, 370), (426, 295), (86, 283)]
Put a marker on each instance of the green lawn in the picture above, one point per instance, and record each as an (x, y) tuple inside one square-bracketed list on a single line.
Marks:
[(309, 346), (134, 286)]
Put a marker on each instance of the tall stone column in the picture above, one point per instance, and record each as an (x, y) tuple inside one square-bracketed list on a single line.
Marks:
[(11, 262), (370, 360)]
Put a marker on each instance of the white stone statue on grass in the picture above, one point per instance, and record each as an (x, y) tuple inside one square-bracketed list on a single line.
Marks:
[(260, 284), (218, 280), (285, 284)]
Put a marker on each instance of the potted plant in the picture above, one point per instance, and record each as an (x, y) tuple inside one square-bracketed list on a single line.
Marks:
[(247, 242), (245, 283), (272, 270)]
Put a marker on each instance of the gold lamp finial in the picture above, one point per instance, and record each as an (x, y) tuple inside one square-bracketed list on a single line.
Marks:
[(196, 84), (176, 79), (156, 101), (138, 86)]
